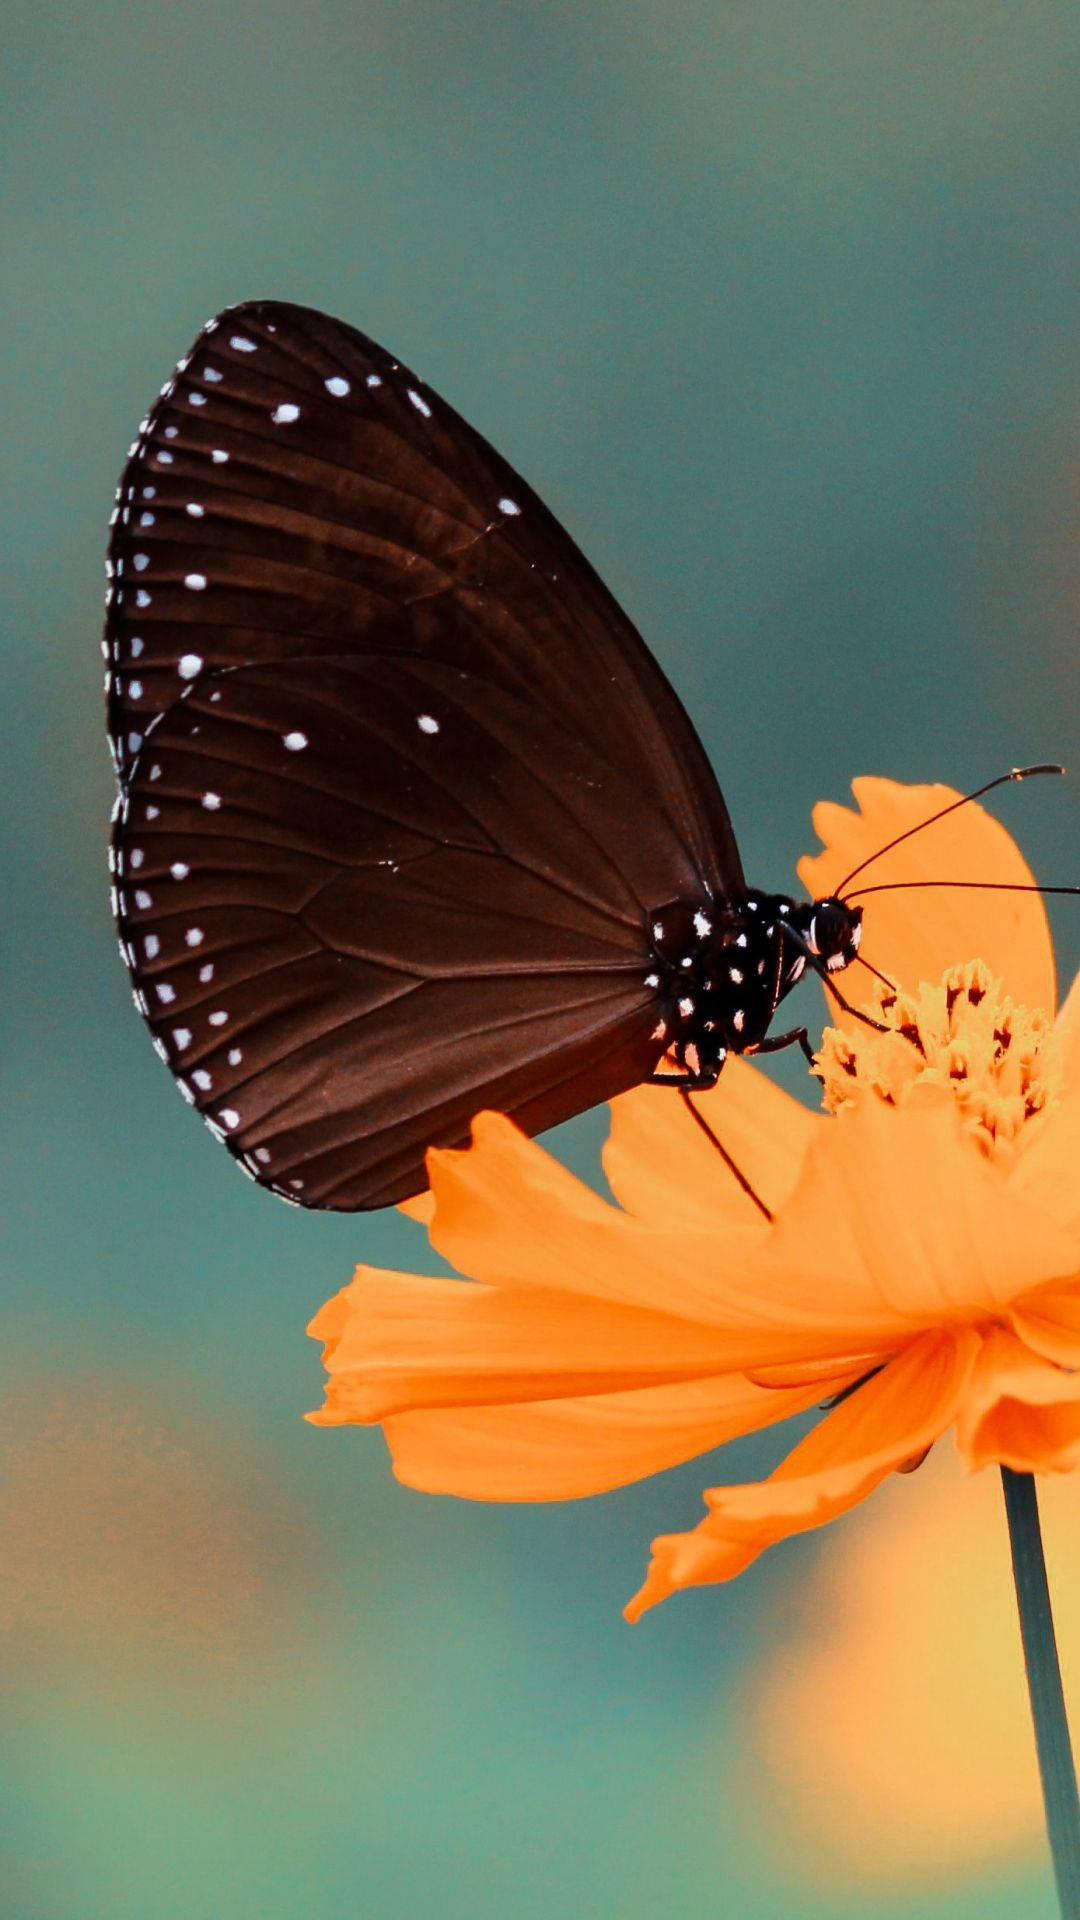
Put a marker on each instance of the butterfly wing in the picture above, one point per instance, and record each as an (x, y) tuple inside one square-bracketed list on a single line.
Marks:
[(399, 783)]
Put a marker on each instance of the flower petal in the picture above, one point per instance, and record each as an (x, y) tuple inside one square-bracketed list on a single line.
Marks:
[(663, 1168), (1068, 1033), (913, 936), (1019, 1410), (1049, 1147), (419, 1207), (899, 1223), (564, 1449), (396, 1342), (506, 1211), (1048, 1322), (509, 1214), (896, 1415)]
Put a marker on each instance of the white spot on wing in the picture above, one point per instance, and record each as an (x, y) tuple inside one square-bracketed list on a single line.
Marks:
[(189, 665), (508, 506), (211, 801), (284, 414), (296, 742), (419, 402), (241, 343), (196, 581), (337, 386), (219, 456), (427, 723), (179, 869)]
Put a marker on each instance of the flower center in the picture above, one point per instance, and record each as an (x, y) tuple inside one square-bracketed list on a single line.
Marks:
[(1001, 1061)]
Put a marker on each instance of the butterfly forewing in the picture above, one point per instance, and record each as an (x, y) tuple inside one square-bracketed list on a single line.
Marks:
[(399, 783)]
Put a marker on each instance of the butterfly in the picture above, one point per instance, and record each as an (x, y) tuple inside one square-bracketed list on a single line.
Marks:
[(410, 822)]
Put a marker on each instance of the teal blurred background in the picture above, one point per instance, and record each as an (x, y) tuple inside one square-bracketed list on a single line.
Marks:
[(777, 307)]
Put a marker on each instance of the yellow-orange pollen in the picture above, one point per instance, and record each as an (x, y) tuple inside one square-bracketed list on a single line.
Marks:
[(1000, 1060)]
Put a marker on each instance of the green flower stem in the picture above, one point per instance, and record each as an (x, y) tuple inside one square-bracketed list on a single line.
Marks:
[(1044, 1687)]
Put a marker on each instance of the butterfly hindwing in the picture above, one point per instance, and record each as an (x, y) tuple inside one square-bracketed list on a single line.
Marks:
[(384, 913), (399, 781)]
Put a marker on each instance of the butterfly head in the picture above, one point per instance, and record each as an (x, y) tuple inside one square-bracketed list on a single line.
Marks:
[(832, 931)]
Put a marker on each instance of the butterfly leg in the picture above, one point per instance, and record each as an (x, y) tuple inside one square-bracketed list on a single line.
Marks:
[(726, 1158), (685, 1082), (797, 1037)]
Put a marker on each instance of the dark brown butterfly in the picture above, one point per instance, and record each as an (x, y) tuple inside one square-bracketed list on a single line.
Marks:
[(410, 821)]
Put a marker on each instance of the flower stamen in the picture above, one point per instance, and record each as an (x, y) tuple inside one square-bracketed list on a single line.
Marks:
[(999, 1059)]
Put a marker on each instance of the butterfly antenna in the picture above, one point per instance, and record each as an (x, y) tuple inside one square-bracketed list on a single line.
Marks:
[(1003, 779), (993, 886)]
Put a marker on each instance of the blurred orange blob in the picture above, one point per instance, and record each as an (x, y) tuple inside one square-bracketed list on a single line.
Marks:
[(139, 1533), (893, 1728)]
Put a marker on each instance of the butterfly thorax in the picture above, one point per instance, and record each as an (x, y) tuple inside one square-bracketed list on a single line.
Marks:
[(719, 970)]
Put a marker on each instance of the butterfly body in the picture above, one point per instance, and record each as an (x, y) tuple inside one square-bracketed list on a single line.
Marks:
[(400, 785), (721, 969)]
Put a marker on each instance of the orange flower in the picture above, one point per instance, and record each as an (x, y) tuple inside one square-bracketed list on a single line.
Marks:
[(925, 1243)]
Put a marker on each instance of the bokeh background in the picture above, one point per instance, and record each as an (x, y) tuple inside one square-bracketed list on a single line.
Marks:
[(777, 307)]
